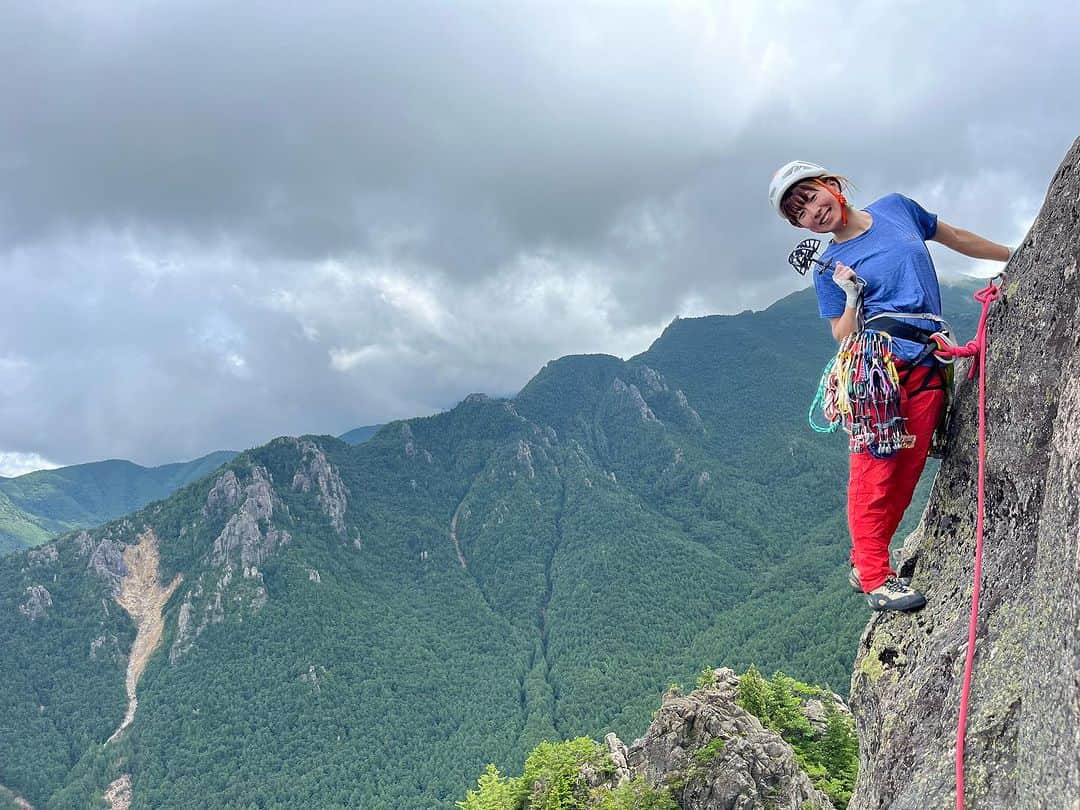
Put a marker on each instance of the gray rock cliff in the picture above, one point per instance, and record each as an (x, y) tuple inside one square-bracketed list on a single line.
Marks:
[(714, 755), (1023, 734), (37, 603)]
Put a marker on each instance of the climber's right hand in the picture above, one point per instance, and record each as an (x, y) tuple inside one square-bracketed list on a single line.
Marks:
[(845, 279)]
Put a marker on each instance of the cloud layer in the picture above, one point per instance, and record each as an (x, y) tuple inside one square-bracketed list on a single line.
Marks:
[(220, 223)]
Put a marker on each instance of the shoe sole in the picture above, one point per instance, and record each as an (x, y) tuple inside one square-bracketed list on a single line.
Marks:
[(907, 604)]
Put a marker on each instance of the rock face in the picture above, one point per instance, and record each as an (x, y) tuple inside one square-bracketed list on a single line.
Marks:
[(224, 495), (714, 755), (315, 471), (1023, 734), (43, 555), (107, 562), (248, 538), (14, 799), (118, 795), (37, 603), (633, 395), (243, 539)]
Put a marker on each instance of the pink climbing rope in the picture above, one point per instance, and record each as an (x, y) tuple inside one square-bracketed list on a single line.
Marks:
[(976, 349)]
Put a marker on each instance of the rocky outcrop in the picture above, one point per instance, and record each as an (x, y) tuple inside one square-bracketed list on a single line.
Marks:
[(243, 538), (224, 495), (525, 459), (652, 380), (461, 512), (14, 799), (143, 597), (83, 544), (312, 677), (248, 538), (104, 645), (691, 416), (316, 472), (118, 794), (42, 555), (632, 394), (1023, 730), (711, 754), (38, 601), (667, 405), (107, 562), (411, 448)]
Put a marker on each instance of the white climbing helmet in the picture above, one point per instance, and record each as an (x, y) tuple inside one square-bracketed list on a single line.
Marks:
[(788, 175)]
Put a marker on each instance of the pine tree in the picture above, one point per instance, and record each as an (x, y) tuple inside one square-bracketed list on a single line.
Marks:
[(753, 694)]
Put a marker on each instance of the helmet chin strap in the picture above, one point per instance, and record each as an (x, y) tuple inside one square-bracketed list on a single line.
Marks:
[(840, 198)]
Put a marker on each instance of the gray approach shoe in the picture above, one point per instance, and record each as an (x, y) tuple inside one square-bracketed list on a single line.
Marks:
[(892, 594), (853, 580)]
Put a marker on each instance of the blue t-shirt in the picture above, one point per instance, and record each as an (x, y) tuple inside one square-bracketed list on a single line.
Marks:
[(891, 257)]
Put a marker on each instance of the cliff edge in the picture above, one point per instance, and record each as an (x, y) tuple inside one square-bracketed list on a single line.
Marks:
[(1023, 735)]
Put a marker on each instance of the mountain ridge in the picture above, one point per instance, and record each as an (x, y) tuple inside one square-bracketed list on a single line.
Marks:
[(41, 504)]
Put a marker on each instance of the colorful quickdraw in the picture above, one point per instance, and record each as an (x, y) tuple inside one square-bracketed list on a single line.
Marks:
[(860, 391)]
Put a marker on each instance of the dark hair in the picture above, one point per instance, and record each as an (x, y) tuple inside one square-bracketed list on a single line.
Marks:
[(796, 197)]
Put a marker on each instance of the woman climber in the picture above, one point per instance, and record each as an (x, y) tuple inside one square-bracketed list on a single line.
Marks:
[(882, 281)]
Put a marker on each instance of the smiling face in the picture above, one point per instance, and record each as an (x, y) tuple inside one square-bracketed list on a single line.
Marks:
[(809, 204)]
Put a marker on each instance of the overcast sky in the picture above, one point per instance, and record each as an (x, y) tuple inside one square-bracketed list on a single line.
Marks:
[(223, 222)]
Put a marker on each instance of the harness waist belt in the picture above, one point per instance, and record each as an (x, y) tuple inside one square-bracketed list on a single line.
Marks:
[(901, 329)]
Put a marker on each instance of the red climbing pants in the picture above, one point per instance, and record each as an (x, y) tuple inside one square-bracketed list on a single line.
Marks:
[(880, 489)]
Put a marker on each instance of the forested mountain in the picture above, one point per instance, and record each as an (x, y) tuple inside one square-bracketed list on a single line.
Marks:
[(40, 505), (359, 435), (369, 625)]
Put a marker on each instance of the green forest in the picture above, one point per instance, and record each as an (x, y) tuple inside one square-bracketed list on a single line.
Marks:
[(39, 505)]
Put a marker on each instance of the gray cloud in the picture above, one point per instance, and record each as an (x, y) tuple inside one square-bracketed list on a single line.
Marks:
[(220, 223)]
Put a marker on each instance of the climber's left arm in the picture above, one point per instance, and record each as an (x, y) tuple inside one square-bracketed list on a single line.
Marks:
[(968, 243)]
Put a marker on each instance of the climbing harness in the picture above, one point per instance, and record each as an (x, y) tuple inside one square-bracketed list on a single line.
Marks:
[(976, 349), (932, 342)]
